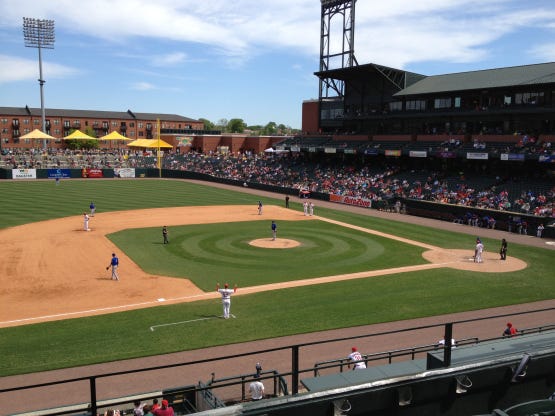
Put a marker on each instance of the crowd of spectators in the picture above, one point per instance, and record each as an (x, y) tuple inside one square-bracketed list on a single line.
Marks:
[(379, 181), (385, 182)]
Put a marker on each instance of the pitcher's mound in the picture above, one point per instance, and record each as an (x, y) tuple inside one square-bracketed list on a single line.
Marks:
[(277, 243)]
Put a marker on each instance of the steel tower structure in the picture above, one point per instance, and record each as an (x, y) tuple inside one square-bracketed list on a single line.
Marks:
[(344, 55)]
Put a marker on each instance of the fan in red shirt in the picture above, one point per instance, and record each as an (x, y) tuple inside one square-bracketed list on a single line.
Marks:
[(164, 410)]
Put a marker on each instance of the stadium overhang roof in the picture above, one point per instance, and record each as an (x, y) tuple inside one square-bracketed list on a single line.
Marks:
[(515, 76)]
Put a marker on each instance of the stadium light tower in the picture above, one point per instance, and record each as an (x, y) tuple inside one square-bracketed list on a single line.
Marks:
[(39, 33)]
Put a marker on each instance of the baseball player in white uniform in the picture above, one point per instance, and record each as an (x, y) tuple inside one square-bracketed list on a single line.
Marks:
[(85, 221), (356, 358), (478, 251), (310, 208), (305, 207), (226, 298)]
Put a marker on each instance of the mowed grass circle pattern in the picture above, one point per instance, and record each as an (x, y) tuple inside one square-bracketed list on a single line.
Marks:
[(211, 252)]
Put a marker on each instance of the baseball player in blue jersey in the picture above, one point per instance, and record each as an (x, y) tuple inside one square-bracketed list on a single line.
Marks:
[(226, 298), (114, 263), (274, 230)]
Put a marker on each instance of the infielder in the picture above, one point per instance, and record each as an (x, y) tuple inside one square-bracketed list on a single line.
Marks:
[(85, 221), (478, 251), (310, 208), (114, 263), (226, 297), (92, 207), (305, 208), (274, 230), (259, 207), (356, 359)]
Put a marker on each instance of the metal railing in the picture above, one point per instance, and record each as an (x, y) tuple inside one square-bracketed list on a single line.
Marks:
[(94, 403)]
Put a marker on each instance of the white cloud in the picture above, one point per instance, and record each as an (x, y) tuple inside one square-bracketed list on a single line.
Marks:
[(544, 52), (13, 68), (142, 86)]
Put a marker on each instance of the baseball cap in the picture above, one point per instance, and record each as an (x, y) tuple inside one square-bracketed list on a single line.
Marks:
[(165, 403), (226, 285), (354, 349), (509, 324)]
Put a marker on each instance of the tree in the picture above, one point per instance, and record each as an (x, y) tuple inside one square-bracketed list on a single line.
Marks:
[(270, 128), (236, 125), (208, 125), (222, 124)]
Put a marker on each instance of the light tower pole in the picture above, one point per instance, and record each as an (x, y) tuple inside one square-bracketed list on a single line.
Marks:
[(39, 33)]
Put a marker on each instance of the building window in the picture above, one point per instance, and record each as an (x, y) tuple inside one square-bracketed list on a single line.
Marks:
[(140, 124), (36, 122), (396, 106), (114, 123), (132, 124), (416, 105), (56, 122), (4, 121), (442, 103), (141, 134), (457, 102), (529, 98), (26, 121)]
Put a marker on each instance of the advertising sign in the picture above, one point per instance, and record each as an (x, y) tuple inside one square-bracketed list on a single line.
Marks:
[(24, 173), (349, 200), (59, 173)]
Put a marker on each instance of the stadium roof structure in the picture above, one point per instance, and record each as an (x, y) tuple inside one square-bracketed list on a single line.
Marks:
[(68, 113), (489, 78), (399, 77)]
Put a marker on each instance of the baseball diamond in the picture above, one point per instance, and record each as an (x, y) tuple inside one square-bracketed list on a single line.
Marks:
[(65, 277)]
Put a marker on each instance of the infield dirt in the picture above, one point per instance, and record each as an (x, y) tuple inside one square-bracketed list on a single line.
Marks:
[(54, 270)]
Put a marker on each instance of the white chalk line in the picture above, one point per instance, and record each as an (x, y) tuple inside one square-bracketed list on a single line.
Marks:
[(109, 308), (189, 321)]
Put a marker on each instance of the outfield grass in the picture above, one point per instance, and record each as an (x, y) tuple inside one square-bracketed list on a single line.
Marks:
[(90, 340)]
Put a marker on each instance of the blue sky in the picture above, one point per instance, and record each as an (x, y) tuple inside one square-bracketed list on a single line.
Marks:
[(248, 59)]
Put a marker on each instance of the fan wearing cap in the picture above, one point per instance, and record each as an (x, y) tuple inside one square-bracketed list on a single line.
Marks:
[(510, 330), (356, 359), (226, 298), (164, 410)]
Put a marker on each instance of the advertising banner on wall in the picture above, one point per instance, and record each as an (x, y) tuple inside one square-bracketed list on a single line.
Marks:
[(418, 153), (349, 200), (447, 155), (24, 174), (512, 156), (92, 173), (124, 172), (477, 156), (547, 158), (393, 153), (59, 173)]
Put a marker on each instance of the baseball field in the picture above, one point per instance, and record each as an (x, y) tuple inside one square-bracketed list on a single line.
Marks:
[(60, 308)]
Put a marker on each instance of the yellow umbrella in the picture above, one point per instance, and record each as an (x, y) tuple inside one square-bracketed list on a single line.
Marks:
[(150, 144), (37, 134), (79, 135), (114, 136)]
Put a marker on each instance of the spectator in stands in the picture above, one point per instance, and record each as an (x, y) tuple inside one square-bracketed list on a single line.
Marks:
[(138, 408), (147, 410), (355, 358), (155, 405), (510, 330), (112, 412), (256, 388), (164, 410)]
